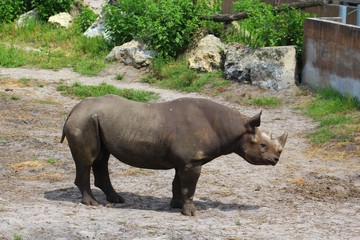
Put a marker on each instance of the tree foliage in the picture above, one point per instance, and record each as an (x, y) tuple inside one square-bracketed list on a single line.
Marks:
[(11, 9), (47, 8), (167, 26), (267, 26)]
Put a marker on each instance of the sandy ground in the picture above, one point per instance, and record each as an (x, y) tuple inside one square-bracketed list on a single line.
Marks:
[(305, 196)]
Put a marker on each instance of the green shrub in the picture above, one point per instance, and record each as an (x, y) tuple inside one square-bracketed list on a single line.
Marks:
[(86, 18), (167, 26), (47, 8), (11, 9), (267, 26)]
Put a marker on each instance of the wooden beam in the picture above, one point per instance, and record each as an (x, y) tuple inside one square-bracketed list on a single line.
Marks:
[(302, 5), (227, 18)]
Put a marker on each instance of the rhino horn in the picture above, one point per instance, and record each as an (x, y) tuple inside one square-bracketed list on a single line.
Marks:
[(282, 139)]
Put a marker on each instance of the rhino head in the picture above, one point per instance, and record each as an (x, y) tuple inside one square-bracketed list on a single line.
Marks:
[(258, 147)]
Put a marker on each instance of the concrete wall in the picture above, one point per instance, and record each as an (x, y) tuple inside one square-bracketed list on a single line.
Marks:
[(332, 56)]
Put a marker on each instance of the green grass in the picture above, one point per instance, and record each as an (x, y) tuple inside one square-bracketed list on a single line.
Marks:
[(17, 236), (335, 114), (83, 91), (267, 102), (51, 160), (12, 56), (119, 77), (177, 75), (51, 48), (15, 98)]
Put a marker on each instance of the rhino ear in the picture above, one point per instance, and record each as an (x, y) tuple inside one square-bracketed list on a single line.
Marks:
[(253, 122), (282, 139)]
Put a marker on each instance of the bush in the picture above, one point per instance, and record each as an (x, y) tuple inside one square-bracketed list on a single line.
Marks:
[(86, 18), (167, 26), (11, 9), (267, 26), (47, 8)]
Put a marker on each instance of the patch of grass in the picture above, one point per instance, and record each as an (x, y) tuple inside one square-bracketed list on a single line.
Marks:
[(177, 75), (267, 102), (335, 114), (51, 47), (119, 77), (15, 98), (25, 81), (46, 102), (83, 91), (12, 56), (17, 236), (51, 160)]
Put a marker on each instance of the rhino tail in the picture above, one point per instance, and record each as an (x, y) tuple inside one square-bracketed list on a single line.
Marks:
[(63, 131), (98, 138)]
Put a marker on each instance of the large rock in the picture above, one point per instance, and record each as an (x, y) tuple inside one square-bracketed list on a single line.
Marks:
[(33, 14), (97, 28), (207, 55), (61, 19), (268, 67), (96, 6), (133, 53)]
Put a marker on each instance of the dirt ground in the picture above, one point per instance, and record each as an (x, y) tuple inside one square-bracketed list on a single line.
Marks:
[(305, 196)]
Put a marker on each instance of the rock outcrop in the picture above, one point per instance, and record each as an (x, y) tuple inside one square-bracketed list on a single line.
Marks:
[(133, 53), (268, 67), (207, 56)]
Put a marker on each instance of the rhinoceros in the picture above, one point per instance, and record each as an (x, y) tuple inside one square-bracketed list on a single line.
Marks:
[(183, 134)]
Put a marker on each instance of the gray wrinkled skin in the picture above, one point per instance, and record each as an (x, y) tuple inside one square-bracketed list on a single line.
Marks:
[(183, 134)]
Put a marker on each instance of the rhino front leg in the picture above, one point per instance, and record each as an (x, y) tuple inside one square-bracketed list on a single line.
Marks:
[(102, 178), (176, 201), (188, 179)]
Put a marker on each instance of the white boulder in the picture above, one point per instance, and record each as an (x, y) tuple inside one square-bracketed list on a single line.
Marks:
[(207, 55), (61, 19), (133, 53)]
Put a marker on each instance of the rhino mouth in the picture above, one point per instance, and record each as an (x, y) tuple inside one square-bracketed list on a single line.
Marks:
[(273, 161)]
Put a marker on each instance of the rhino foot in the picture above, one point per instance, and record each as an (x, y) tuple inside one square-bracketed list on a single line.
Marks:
[(176, 203), (87, 200), (115, 198), (189, 209)]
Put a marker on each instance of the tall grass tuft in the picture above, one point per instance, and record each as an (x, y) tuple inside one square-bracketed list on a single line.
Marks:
[(334, 112), (177, 75), (51, 47), (84, 91)]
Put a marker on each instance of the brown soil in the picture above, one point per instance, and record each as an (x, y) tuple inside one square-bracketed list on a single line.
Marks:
[(306, 196)]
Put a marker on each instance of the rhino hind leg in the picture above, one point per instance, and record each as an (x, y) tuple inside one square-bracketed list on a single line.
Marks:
[(102, 178), (85, 149), (82, 181)]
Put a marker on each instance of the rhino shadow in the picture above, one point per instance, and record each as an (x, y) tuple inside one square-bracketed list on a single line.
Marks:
[(144, 202)]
